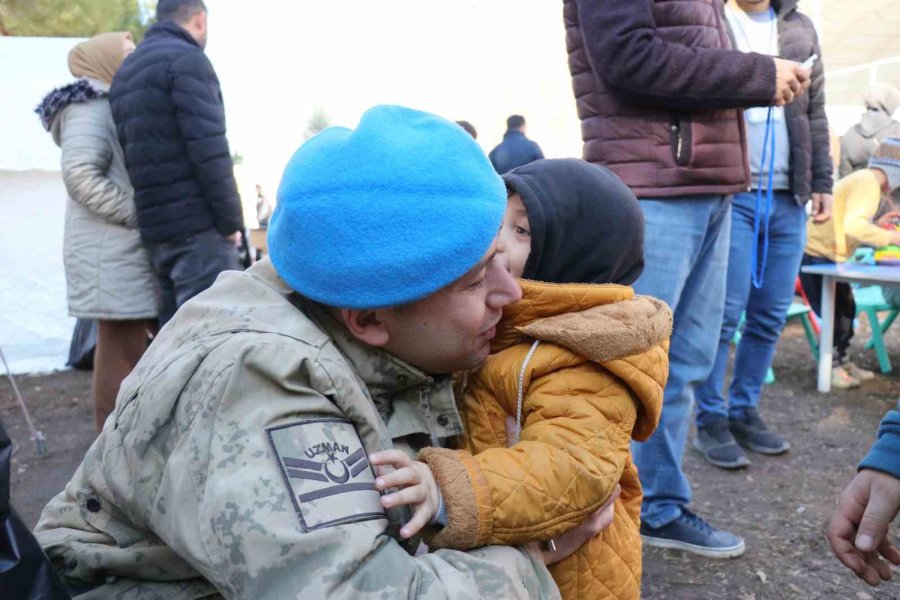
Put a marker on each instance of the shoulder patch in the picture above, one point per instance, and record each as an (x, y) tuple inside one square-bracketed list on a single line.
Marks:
[(326, 471)]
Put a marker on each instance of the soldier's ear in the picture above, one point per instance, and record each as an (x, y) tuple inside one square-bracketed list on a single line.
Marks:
[(368, 326)]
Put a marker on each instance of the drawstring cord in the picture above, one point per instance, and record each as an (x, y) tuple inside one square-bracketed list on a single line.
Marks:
[(758, 270), (548, 545), (521, 391)]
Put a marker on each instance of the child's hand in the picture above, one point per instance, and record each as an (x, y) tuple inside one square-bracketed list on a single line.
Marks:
[(887, 220), (416, 486)]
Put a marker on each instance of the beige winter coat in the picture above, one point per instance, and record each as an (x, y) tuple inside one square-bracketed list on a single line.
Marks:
[(108, 270)]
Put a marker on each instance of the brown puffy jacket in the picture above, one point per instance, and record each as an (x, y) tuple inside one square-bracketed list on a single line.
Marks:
[(594, 383), (658, 92)]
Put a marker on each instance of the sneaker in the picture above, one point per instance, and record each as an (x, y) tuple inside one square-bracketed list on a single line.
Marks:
[(858, 372), (692, 534), (717, 445), (842, 380), (751, 432)]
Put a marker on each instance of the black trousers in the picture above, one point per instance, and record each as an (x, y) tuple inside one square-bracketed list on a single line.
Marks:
[(844, 306), (187, 267)]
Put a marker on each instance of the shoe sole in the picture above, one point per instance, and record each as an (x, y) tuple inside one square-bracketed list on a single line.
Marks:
[(718, 553), (728, 466), (768, 451), (844, 388)]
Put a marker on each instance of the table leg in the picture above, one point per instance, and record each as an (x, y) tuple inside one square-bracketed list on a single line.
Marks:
[(826, 341)]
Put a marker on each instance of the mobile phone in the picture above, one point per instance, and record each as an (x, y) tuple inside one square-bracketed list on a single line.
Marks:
[(809, 62)]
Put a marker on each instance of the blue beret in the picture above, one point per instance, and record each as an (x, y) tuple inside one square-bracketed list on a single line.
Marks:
[(385, 214)]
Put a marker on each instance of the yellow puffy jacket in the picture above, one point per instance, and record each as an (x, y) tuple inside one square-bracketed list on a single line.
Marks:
[(592, 363)]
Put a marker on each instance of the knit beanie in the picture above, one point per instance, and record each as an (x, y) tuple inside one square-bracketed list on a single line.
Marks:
[(384, 214), (887, 158)]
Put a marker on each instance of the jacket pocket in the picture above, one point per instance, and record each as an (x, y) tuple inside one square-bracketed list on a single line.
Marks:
[(680, 139)]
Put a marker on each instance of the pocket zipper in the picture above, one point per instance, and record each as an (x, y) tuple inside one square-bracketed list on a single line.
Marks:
[(676, 129)]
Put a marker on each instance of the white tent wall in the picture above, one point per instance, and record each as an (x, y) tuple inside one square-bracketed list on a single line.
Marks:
[(35, 328)]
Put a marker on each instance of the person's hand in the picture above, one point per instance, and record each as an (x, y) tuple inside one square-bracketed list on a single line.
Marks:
[(858, 532), (573, 539), (416, 486), (895, 238), (791, 81), (886, 221), (821, 207), (235, 238)]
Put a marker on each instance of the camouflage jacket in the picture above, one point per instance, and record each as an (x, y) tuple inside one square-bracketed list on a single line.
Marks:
[(235, 464)]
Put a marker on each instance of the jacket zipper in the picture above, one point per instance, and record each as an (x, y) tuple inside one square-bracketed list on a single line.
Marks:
[(679, 141)]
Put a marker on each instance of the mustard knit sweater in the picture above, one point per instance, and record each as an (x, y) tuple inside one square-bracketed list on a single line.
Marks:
[(856, 200)]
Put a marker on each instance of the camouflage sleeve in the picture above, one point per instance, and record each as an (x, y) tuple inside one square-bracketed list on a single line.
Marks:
[(285, 505)]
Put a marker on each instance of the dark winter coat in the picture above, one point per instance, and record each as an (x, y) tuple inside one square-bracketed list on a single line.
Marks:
[(657, 107), (514, 151), (170, 119), (811, 167)]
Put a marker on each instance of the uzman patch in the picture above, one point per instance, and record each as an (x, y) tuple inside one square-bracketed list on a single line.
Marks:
[(327, 473)]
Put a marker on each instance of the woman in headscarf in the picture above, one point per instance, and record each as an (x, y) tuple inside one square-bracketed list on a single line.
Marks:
[(859, 143), (108, 272)]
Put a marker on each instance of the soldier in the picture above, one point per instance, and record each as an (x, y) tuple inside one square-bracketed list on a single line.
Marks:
[(237, 462)]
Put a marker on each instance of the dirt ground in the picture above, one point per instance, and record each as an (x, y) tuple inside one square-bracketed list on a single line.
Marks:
[(779, 504)]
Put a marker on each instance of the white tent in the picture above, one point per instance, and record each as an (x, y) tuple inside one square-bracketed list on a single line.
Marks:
[(35, 328)]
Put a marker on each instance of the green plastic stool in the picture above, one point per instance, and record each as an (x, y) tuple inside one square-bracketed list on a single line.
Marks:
[(795, 311), (870, 300)]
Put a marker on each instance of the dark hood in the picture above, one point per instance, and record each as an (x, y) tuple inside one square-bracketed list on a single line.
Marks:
[(586, 225)]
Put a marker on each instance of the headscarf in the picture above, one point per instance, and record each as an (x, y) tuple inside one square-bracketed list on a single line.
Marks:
[(99, 57), (882, 97), (586, 225)]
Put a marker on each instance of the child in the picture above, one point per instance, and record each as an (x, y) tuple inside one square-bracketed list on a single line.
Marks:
[(857, 205), (580, 363)]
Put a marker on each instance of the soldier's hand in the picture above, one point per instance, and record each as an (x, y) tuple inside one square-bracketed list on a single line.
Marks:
[(858, 532), (415, 483), (573, 539)]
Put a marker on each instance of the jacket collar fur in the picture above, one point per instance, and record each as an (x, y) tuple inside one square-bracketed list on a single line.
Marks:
[(79, 91)]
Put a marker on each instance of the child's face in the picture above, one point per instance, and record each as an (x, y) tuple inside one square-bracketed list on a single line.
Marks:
[(516, 235)]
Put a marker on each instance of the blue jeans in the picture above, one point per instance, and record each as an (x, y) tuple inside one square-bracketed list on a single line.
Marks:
[(686, 258), (766, 308)]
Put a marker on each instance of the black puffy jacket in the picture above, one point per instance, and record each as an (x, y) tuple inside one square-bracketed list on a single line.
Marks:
[(167, 105)]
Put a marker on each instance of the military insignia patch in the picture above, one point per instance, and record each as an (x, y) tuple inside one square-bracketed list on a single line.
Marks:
[(325, 468)]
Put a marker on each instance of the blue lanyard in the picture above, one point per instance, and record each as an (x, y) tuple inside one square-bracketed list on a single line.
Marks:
[(758, 271)]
